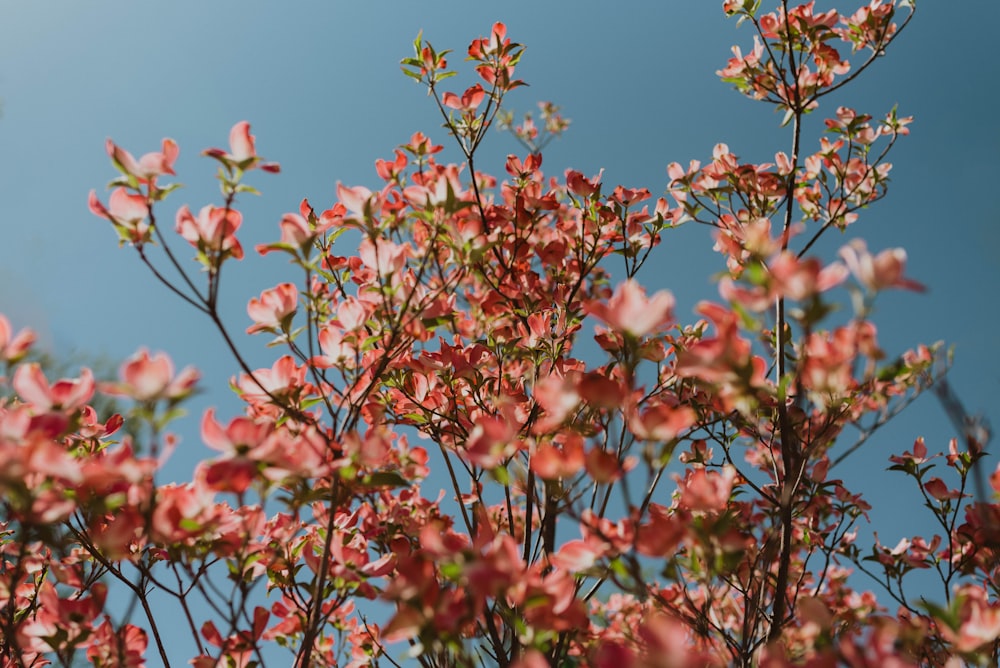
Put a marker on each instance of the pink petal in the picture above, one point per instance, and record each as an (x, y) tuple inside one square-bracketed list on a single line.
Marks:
[(241, 142)]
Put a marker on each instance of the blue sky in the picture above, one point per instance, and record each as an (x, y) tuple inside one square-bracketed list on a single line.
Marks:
[(321, 85)]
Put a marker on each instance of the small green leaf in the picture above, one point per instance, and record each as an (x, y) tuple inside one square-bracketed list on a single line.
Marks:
[(386, 479), (501, 475)]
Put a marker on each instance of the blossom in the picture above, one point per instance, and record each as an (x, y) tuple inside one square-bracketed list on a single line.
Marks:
[(631, 312), (384, 256), (66, 394), (242, 151), (551, 462), (147, 378), (491, 441), (280, 380), (939, 490), (272, 309), (14, 346), (61, 623), (702, 490), (213, 230), (978, 623), (468, 101), (127, 212), (882, 271), (123, 647), (725, 359), (296, 235), (243, 443), (915, 458), (661, 421), (183, 512), (149, 166), (336, 348), (360, 202)]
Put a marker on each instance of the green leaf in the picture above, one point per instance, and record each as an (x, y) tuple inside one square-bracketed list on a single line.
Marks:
[(189, 524), (501, 475), (416, 418), (618, 567), (941, 614), (416, 76), (386, 479), (786, 382), (451, 571), (756, 273)]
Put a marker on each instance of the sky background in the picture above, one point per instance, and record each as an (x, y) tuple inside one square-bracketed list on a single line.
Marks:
[(320, 84)]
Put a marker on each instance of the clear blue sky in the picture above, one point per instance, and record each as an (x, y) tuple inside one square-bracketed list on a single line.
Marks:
[(320, 83)]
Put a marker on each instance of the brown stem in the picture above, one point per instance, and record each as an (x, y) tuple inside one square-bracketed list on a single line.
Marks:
[(789, 446)]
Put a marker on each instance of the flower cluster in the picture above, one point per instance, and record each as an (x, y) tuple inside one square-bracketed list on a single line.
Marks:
[(666, 501)]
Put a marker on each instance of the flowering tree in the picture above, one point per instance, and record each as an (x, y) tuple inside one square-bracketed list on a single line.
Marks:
[(670, 504)]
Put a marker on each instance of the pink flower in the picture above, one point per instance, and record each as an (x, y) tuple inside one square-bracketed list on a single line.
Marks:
[(604, 466), (14, 346), (631, 312), (239, 438), (337, 350), (661, 421), (241, 142), (359, 201), (66, 394), (552, 463), (576, 556), (213, 230), (580, 186), (421, 145), (183, 513), (484, 47), (353, 314), (149, 166), (271, 310), (299, 230), (979, 620), (531, 659), (124, 647), (557, 395), (917, 457), (939, 490), (242, 151), (491, 441), (882, 271), (127, 213), (281, 379), (148, 378), (703, 490), (60, 623), (469, 100), (725, 360), (384, 256), (295, 230), (829, 360), (664, 531), (802, 279)]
